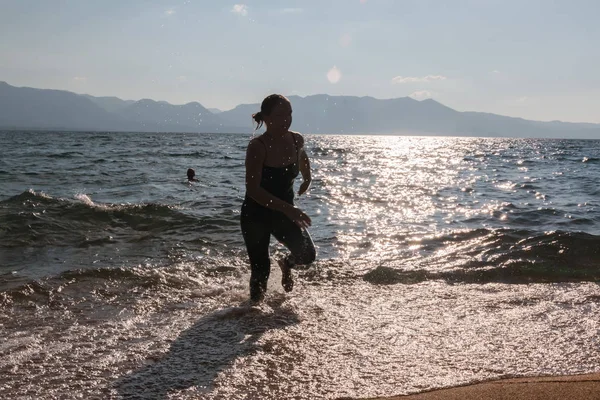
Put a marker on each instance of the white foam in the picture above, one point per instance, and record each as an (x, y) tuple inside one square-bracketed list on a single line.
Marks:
[(85, 199), (331, 337)]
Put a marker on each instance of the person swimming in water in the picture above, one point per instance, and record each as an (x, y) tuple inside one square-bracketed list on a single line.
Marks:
[(191, 175), (273, 161)]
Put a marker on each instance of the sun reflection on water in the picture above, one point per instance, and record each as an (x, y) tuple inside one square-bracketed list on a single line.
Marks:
[(376, 195), (388, 191)]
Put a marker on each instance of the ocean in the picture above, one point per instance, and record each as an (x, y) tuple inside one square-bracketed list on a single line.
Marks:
[(441, 261)]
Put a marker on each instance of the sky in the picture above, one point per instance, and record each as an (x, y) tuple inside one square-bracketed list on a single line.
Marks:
[(535, 59)]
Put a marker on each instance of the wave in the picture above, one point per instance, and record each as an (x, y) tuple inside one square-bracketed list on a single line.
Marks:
[(198, 154), (79, 285), (544, 217), (35, 218), (591, 160), (66, 154), (499, 256), (326, 151), (477, 256)]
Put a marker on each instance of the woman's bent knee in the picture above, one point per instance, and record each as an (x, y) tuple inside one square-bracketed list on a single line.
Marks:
[(308, 256)]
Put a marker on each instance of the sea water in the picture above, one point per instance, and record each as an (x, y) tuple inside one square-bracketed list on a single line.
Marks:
[(441, 261)]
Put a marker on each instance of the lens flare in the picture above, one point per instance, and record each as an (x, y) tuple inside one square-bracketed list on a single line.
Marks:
[(334, 75)]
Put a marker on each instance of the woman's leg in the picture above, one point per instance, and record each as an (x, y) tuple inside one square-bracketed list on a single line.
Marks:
[(300, 244), (256, 232)]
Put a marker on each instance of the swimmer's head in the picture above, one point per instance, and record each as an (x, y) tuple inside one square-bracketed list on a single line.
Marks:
[(191, 173)]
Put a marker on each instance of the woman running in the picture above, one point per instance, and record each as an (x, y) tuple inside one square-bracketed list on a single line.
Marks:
[(273, 161)]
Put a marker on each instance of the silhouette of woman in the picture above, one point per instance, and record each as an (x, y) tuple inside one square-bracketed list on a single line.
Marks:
[(273, 161)]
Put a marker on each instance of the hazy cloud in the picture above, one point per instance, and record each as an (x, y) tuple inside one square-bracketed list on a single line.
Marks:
[(240, 9), (170, 12), (80, 79), (417, 79), (421, 94)]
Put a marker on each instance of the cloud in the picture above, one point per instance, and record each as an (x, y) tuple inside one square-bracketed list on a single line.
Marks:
[(334, 75), (182, 78), (495, 71), (170, 12), (421, 94), (522, 99), (80, 79), (417, 79), (291, 10), (240, 9)]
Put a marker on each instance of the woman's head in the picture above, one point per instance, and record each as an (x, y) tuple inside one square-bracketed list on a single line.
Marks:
[(275, 112)]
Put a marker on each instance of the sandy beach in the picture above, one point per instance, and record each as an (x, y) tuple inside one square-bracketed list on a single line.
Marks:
[(575, 387)]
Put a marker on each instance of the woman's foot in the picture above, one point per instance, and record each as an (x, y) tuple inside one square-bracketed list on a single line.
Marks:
[(257, 292), (286, 275), (257, 297)]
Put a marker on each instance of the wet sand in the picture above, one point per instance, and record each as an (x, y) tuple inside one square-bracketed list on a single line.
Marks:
[(576, 387)]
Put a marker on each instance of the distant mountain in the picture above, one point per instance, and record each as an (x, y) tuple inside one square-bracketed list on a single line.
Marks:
[(53, 109), (367, 115), (28, 108), (162, 116), (44, 109), (215, 110), (110, 104)]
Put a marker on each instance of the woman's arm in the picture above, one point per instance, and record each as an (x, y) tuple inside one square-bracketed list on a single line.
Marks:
[(304, 165)]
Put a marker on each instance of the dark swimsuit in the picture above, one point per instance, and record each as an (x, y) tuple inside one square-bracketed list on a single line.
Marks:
[(259, 223)]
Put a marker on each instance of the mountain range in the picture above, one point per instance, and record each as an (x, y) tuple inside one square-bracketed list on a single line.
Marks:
[(26, 108)]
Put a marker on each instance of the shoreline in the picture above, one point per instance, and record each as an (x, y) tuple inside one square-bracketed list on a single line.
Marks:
[(572, 387)]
